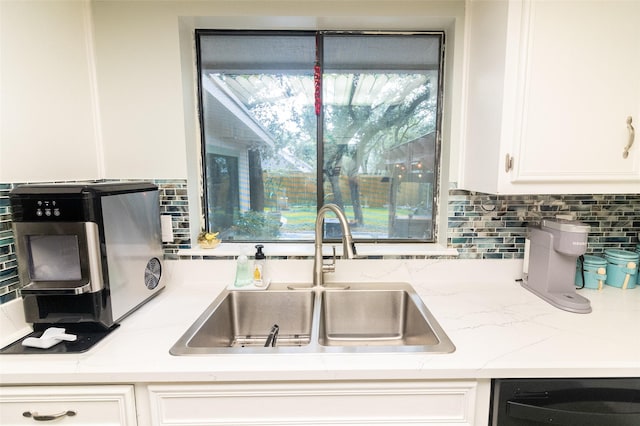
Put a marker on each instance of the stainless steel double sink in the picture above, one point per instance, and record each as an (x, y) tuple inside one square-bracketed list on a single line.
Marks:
[(353, 317)]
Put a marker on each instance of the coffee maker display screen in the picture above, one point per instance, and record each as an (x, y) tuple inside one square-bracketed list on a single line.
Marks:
[(54, 257)]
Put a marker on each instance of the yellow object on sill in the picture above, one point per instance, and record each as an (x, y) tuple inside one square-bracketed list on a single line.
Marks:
[(208, 240)]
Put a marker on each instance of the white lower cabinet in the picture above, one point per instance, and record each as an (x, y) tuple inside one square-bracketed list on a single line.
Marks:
[(68, 405), (319, 403)]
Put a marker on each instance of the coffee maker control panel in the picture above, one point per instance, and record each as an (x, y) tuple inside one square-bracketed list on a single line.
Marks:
[(28, 209), (47, 208)]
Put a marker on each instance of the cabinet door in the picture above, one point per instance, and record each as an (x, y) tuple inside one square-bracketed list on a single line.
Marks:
[(579, 84), (49, 127), (315, 403), (68, 405)]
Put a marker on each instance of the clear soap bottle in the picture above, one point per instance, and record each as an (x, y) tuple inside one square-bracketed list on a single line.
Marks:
[(259, 261), (243, 272)]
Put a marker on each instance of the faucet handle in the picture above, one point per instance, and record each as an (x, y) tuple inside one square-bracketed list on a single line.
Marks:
[(330, 267)]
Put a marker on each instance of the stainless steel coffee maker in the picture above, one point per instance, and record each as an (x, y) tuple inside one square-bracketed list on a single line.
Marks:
[(553, 249)]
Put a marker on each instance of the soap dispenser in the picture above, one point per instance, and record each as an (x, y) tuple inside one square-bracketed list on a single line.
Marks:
[(243, 271), (259, 267)]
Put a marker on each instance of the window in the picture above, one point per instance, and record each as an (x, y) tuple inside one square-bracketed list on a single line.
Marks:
[(293, 120)]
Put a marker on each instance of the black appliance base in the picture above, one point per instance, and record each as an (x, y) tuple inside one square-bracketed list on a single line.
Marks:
[(88, 336)]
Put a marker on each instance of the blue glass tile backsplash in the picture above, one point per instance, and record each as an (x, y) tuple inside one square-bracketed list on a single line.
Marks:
[(9, 283), (481, 226)]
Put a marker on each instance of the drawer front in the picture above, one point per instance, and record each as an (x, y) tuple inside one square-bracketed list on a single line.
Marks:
[(68, 405), (366, 403)]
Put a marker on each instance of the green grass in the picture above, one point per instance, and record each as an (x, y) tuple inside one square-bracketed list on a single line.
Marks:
[(302, 218)]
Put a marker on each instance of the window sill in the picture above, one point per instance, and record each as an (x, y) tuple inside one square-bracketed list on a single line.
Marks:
[(307, 250)]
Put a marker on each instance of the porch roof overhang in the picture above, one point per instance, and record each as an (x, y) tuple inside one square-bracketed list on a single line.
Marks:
[(237, 126)]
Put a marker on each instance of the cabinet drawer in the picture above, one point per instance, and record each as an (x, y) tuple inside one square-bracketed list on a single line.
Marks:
[(84, 405), (353, 403)]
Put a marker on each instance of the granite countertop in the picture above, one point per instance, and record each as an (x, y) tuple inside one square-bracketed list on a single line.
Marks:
[(499, 329)]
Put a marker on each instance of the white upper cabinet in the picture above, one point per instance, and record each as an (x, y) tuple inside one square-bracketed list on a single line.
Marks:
[(552, 97), (48, 116)]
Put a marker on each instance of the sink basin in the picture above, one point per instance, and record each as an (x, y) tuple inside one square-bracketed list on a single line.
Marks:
[(373, 318), (353, 317), (244, 319)]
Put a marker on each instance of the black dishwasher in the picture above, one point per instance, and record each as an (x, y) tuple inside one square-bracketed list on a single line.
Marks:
[(575, 402)]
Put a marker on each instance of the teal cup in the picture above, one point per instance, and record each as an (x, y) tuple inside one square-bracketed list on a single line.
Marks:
[(595, 272), (622, 268)]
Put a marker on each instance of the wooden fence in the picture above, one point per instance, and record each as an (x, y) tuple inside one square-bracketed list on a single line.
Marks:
[(282, 191)]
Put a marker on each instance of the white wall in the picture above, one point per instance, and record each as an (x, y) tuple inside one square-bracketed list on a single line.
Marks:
[(48, 125), (140, 85), (146, 71)]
